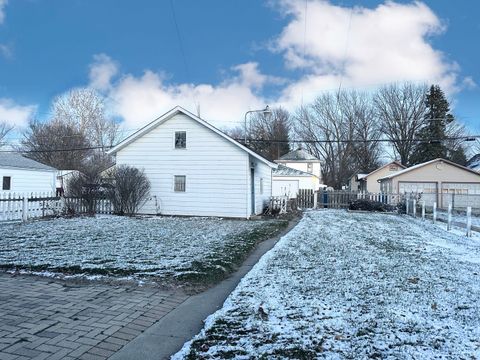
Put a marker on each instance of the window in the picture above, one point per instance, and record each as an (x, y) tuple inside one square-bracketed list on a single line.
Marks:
[(180, 139), (7, 180), (180, 181), (310, 168)]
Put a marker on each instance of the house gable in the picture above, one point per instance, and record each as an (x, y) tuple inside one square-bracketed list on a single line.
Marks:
[(171, 114)]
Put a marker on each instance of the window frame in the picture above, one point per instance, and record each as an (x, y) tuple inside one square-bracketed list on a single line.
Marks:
[(9, 183), (184, 183), (175, 139), (310, 168)]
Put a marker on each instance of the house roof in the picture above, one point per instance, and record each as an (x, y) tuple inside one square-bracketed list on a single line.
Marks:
[(474, 163), (283, 170), (361, 176), (411, 168), (297, 155), (383, 167), (179, 110), (16, 160)]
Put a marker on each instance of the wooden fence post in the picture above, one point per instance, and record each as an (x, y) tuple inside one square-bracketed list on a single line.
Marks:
[(434, 212), (423, 210), (449, 221), (414, 207), (315, 199), (469, 221), (406, 204)]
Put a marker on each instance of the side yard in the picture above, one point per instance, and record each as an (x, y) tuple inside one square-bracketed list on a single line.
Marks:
[(350, 285), (167, 250)]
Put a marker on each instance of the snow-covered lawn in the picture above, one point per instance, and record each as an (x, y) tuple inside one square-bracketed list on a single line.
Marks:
[(350, 285), (189, 249)]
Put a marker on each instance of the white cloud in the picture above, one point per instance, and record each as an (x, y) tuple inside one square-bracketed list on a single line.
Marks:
[(141, 99), (6, 51), (362, 47), (3, 3), (358, 47), (102, 70), (15, 114)]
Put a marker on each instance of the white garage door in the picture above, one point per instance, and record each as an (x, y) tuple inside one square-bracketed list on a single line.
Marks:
[(285, 188), (428, 190)]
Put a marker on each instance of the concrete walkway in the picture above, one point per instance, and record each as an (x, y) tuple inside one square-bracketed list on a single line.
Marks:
[(168, 335)]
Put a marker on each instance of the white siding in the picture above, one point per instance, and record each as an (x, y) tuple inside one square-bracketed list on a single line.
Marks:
[(27, 181), (215, 170), (263, 173)]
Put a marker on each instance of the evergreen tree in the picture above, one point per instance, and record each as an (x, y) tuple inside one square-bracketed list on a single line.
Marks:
[(437, 118)]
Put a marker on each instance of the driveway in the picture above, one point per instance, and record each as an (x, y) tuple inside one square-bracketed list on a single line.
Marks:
[(45, 319)]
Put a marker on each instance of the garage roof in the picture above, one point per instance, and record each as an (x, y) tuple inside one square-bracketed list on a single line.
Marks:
[(411, 168)]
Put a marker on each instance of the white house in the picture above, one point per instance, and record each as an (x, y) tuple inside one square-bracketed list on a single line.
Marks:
[(296, 170), (287, 181), (22, 175), (301, 160), (195, 169)]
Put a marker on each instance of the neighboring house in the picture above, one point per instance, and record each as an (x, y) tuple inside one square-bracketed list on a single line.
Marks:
[(195, 169), (474, 163), (287, 181), (437, 180), (22, 175), (301, 160), (369, 182)]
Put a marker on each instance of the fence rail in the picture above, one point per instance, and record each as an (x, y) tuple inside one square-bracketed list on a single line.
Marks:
[(24, 206)]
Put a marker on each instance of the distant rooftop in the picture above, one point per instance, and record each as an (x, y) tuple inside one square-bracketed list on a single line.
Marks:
[(474, 163), (298, 155), (283, 170), (16, 160)]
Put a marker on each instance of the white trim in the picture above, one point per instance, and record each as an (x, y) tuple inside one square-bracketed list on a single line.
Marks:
[(170, 114)]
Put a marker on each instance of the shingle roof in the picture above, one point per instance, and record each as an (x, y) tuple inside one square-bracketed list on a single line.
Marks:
[(283, 170), (297, 155), (427, 163), (16, 160), (474, 163)]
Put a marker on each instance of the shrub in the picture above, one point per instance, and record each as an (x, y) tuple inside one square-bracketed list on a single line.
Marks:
[(130, 190), (370, 205), (87, 187)]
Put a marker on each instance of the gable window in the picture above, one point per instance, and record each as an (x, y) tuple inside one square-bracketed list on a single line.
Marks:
[(7, 182), (179, 183), (310, 168), (180, 139)]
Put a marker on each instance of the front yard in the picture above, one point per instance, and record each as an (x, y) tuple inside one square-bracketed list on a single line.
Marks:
[(163, 249), (350, 285)]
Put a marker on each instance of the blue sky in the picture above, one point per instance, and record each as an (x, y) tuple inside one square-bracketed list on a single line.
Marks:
[(239, 55)]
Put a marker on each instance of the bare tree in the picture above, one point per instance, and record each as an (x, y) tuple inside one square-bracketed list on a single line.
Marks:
[(342, 131), (359, 110), (270, 133), (130, 190), (328, 132), (401, 110), (85, 110), (57, 144), (4, 130)]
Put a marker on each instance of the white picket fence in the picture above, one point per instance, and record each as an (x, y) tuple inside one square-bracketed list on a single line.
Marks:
[(25, 206)]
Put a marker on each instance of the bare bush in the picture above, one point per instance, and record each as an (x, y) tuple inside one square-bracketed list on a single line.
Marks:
[(88, 187), (130, 190)]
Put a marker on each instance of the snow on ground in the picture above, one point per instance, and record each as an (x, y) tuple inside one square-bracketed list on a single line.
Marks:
[(351, 286), (106, 245), (459, 216)]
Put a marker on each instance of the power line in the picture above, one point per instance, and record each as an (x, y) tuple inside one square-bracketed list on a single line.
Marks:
[(56, 150), (273, 141)]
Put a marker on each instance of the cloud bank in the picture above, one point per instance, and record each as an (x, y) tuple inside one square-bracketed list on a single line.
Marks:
[(15, 114), (357, 47)]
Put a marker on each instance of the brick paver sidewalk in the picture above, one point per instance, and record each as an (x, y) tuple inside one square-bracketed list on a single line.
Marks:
[(46, 319)]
